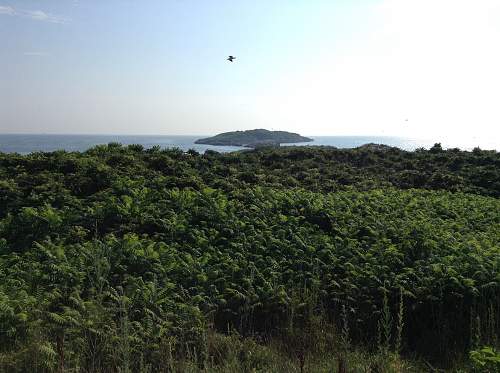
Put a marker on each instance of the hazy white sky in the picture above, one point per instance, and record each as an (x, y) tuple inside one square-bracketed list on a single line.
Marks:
[(315, 67)]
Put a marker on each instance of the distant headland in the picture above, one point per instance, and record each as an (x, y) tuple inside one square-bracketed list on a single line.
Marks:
[(254, 138)]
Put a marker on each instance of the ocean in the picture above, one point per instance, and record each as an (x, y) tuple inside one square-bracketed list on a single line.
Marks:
[(25, 144)]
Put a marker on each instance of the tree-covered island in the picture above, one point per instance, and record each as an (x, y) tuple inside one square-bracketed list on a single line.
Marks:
[(254, 138)]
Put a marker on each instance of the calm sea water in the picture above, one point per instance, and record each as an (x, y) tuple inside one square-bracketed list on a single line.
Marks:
[(25, 144)]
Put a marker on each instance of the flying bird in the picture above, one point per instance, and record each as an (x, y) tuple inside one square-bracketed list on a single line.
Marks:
[(231, 58)]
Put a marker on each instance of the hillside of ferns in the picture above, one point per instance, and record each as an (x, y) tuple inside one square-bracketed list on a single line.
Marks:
[(124, 259)]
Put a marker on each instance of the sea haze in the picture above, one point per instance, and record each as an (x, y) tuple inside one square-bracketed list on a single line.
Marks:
[(24, 144)]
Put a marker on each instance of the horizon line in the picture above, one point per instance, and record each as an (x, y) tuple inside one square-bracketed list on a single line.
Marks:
[(190, 135)]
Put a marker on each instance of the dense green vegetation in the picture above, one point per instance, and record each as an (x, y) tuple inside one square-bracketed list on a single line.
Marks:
[(253, 138), (123, 259)]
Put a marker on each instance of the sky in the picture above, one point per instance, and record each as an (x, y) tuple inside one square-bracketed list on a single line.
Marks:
[(415, 68)]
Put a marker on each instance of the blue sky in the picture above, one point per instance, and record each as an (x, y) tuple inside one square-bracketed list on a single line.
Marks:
[(316, 67)]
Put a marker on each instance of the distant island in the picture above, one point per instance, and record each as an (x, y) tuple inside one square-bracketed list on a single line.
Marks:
[(253, 138)]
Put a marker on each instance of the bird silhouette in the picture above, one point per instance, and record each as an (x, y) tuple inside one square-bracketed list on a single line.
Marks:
[(231, 58)]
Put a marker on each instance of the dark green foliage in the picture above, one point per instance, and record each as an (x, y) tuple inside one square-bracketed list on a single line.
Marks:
[(253, 138), (121, 258)]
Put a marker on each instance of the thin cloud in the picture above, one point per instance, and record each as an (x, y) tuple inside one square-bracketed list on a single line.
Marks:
[(8, 10), (37, 15), (42, 16), (36, 54)]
